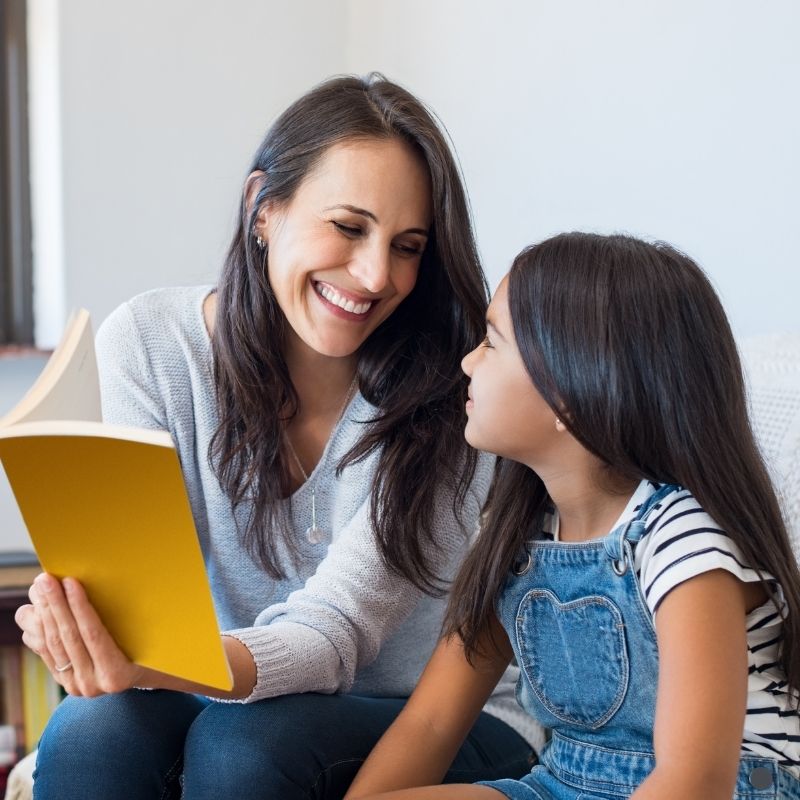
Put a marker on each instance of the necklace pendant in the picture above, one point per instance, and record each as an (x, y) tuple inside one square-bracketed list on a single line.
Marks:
[(315, 534)]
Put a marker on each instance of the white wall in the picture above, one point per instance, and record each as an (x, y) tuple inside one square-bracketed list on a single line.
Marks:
[(677, 120), (162, 105), (674, 120), (146, 116)]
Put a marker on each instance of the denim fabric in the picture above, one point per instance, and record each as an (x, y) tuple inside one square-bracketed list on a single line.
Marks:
[(588, 655), (147, 745)]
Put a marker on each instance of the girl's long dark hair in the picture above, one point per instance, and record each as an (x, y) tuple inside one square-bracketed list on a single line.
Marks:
[(628, 343), (409, 366)]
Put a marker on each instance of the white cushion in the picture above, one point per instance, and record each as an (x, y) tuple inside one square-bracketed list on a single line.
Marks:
[(772, 367), (20, 779)]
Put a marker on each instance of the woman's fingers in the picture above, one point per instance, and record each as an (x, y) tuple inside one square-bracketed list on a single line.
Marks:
[(47, 595), (113, 671), (76, 657), (27, 618), (64, 629)]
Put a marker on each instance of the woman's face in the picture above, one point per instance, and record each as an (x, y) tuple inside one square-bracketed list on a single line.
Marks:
[(505, 413), (344, 252)]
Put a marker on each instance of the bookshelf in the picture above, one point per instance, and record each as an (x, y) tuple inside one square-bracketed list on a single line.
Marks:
[(28, 693), (11, 598)]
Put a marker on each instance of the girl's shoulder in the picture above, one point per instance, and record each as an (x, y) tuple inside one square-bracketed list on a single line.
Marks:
[(680, 541)]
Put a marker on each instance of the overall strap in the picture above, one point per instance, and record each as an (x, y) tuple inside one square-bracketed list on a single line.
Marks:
[(634, 529)]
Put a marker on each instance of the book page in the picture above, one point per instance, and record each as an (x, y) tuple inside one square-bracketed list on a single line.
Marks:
[(68, 387)]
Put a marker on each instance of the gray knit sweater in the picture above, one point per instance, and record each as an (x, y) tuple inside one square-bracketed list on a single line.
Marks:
[(339, 621)]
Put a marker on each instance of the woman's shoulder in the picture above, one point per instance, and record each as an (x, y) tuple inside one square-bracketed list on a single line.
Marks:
[(157, 338), (156, 325), (158, 312)]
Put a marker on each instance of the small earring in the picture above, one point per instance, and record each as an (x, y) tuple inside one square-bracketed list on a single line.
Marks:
[(260, 242), (559, 423)]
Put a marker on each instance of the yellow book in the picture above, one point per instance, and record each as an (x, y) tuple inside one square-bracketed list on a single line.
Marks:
[(107, 505)]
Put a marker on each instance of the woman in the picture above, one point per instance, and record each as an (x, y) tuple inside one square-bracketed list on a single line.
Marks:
[(317, 406)]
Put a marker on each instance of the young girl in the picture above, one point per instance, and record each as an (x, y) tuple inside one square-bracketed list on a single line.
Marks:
[(633, 560)]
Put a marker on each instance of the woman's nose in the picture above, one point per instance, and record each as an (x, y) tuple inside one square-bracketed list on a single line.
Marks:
[(372, 268)]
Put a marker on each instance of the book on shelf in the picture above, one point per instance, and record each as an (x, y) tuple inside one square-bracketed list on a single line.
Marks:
[(107, 505), (28, 696), (13, 712)]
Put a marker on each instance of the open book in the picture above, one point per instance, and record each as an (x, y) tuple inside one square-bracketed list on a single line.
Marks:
[(107, 505)]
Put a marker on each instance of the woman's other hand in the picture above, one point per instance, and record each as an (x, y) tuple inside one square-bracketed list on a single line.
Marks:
[(62, 627)]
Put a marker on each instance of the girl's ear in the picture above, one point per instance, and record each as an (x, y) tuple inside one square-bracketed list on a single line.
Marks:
[(251, 189), (560, 426)]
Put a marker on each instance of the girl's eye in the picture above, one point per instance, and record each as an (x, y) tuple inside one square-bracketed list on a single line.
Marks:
[(486, 342), (347, 230)]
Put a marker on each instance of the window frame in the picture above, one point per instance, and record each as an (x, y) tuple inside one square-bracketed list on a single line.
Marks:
[(16, 255)]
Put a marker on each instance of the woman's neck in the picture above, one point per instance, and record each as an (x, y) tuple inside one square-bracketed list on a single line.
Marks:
[(322, 382)]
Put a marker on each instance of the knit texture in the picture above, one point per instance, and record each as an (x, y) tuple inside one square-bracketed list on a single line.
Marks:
[(772, 367), (339, 621)]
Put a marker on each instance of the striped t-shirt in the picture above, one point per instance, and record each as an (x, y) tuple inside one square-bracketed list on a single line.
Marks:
[(682, 541)]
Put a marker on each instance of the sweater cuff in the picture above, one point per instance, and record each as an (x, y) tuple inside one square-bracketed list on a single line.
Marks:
[(290, 658)]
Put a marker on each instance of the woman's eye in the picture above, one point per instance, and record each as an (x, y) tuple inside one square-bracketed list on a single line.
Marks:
[(486, 342), (347, 230), (409, 249)]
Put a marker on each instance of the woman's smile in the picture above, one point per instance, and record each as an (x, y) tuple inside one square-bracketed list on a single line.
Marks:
[(343, 303)]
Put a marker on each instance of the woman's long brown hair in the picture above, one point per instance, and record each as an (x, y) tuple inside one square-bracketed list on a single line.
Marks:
[(631, 341), (408, 368)]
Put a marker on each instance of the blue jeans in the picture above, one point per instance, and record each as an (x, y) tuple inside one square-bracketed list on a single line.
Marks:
[(140, 744)]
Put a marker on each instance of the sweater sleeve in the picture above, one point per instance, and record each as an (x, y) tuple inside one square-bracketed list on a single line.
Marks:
[(337, 622)]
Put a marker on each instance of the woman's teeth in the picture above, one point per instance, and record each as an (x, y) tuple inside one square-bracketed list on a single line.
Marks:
[(332, 296)]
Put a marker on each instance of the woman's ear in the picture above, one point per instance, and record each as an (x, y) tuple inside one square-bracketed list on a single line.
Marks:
[(251, 188), (560, 426)]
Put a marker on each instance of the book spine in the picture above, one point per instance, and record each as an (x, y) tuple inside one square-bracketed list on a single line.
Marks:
[(11, 669), (40, 696)]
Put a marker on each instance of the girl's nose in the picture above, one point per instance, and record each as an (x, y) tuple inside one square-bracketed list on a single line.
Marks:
[(466, 362)]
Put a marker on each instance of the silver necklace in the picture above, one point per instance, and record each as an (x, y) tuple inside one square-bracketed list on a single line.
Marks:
[(314, 533)]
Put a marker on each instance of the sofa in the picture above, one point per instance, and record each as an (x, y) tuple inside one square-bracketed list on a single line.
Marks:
[(772, 366)]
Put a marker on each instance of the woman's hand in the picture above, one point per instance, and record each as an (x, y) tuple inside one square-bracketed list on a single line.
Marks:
[(62, 627)]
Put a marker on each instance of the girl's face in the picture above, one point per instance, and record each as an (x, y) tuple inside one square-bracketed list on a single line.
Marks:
[(345, 251), (506, 414)]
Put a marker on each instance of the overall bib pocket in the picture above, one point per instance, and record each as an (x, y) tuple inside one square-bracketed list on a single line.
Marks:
[(574, 656)]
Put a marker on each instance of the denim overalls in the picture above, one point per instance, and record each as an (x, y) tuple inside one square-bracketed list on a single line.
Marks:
[(586, 646)]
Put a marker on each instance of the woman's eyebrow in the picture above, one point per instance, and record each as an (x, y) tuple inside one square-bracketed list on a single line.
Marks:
[(355, 209), (369, 215)]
